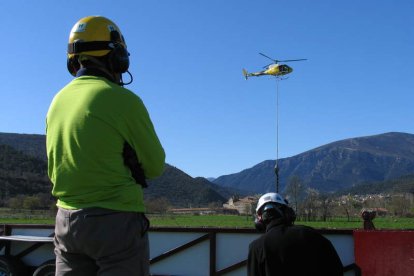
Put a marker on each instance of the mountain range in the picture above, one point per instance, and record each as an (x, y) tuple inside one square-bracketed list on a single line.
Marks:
[(333, 167)]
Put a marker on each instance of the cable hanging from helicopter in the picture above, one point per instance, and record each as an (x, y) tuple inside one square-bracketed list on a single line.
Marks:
[(278, 71)]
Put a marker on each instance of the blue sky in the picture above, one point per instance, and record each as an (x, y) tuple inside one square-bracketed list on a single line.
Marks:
[(187, 57)]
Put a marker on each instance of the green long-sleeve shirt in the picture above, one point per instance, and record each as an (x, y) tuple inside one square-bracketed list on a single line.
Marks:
[(87, 124)]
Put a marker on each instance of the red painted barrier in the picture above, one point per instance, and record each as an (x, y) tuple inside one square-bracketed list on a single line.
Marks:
[(385, 252)]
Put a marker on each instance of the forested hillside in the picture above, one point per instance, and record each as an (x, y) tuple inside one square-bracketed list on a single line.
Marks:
[(181, 190), (30, 144), (23, 171), (404, 184), (21, 174)]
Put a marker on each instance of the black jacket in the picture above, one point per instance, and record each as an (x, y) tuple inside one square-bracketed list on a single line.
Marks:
[(292, 250)]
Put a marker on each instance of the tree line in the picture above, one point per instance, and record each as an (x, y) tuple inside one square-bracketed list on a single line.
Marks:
[(40, 201), (310, 204)]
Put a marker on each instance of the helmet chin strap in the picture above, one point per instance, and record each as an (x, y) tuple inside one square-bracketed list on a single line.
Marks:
[(131, 79)]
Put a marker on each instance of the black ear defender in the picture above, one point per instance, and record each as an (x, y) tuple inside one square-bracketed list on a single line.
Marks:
[(75, 48), (290, 215), (118, 57), (259, 225), (73, 65)]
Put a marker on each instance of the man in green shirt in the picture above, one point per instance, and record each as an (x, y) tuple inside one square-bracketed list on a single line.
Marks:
[(101, 146)]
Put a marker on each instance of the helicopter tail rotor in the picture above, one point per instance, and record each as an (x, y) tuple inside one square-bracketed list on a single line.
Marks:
[(245, 74)]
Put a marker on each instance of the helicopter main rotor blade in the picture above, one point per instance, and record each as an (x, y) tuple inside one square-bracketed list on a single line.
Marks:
[(276, 61), (289, 60)]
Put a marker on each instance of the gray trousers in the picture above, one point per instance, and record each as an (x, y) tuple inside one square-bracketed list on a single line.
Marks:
[(96, 241)]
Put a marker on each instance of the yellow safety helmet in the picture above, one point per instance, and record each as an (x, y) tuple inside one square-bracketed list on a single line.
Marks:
[(97, 36)]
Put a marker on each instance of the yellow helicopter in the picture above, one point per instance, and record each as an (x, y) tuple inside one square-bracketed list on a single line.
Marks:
[(273, 69)]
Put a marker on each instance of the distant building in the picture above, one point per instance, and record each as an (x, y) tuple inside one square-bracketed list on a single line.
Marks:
[(244, 206)]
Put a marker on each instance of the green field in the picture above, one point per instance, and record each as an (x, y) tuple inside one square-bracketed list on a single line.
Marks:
[(220, 221), (231, 221), (9, 216)]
